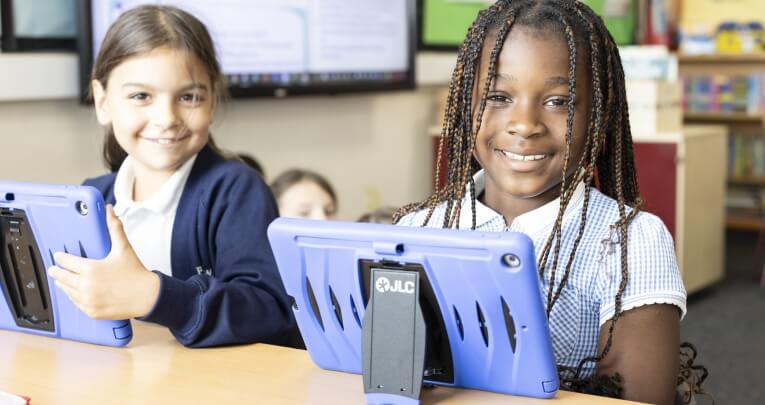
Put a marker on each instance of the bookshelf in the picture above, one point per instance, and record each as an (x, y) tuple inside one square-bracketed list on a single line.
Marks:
[(729, 90), (747, 181), (722, 58), (716, 117)]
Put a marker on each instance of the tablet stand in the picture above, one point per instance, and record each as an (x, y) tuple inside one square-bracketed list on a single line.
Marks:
[(23, 275), (393, 331)]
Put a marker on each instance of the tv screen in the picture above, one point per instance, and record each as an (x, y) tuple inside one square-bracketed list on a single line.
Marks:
[(283, 47), (443, 24)]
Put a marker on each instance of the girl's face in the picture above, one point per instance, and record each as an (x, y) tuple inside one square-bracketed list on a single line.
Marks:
[(522, 140), (160, 105), (306, 199)]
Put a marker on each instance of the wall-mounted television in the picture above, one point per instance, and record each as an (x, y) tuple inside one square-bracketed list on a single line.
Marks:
[(285, 47), (443, 24)]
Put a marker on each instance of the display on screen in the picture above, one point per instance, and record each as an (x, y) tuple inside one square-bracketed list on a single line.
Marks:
[(444, 23), (281, 47)]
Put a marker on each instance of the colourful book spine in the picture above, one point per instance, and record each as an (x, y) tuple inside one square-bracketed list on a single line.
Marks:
[(726, 95)]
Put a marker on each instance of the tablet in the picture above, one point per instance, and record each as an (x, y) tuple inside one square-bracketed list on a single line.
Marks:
[(479, 294), (36, 221)]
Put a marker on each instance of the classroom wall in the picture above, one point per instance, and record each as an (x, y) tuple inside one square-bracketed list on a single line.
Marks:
[(374, 148)]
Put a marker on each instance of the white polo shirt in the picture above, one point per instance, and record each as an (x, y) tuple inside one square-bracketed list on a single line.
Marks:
[(149, 224)]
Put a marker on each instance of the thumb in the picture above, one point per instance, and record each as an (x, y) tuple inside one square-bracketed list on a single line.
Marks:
[(116, 231)]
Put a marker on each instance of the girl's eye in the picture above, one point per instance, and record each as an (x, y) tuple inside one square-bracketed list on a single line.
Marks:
[(556, 101), (139, 96), (498, 98), (191, 98)]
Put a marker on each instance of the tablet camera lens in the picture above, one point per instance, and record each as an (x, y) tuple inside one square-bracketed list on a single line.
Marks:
[(511, 260), (82, 208)]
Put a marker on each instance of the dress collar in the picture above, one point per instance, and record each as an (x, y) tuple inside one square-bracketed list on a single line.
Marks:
[(530, 222)]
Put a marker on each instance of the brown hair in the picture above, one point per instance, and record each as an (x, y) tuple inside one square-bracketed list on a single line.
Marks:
[(141, 30), (251, 162), (293, 176), (381, 215)]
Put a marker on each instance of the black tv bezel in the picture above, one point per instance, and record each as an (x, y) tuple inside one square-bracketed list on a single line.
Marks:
[(86, 58), (10, 42)]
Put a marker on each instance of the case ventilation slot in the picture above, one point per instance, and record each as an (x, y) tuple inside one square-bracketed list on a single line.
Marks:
[(336, 308), (482, 322), (314, 305)]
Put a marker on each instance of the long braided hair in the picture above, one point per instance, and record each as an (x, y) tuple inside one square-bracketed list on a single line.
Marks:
[(606, 163)]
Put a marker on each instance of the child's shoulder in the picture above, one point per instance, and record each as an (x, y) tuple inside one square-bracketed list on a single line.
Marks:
[(217, 185), (104, 183), (417, 217), (213, 169), (606, 210)]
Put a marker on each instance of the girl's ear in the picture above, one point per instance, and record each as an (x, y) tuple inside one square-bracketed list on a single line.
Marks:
[(99, 101)]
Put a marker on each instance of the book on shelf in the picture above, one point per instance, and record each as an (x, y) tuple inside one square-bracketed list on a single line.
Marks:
[(746, 156), (724, 94)]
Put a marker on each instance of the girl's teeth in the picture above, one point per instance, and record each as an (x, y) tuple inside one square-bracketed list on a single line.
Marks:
[(164, 141), (523, 157)]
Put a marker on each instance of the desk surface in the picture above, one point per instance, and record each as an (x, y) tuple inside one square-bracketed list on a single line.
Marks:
[(154, 368)]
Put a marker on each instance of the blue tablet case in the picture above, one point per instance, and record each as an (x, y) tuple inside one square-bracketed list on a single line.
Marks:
[(36, 221), (487, 328)]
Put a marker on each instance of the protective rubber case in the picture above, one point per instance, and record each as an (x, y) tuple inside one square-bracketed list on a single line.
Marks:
[(479, 293), (36, 221)]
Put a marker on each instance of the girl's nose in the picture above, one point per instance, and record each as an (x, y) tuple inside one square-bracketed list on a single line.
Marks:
[(165, 115), (523, 120)]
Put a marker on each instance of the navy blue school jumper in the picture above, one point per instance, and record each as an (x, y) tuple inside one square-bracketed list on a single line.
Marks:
[(225, 287)]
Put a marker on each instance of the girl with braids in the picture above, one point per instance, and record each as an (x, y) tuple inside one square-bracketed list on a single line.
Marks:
[(537, 140)]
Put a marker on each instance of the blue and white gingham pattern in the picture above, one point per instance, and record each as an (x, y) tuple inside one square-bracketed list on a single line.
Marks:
[(587, 300)]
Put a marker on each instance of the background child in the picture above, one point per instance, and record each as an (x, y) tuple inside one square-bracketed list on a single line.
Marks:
[(195, 219), (380, 215), (537, 103), (304, 194), (253, 163)]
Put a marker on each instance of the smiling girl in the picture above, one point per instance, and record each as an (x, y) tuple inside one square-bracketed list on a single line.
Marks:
[(188, 227), (537, 140)]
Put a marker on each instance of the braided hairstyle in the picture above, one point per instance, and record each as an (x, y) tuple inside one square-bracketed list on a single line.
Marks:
[(607, 161)]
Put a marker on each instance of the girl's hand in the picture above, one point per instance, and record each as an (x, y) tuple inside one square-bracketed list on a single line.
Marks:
[(117, 287)]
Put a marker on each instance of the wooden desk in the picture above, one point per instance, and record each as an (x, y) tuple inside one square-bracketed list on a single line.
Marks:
[(155, 369)]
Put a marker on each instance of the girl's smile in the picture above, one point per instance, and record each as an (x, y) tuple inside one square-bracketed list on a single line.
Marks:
[(527, 161), (169, 142)]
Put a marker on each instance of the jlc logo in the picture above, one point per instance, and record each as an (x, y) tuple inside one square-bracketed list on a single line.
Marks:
[(384, 285)]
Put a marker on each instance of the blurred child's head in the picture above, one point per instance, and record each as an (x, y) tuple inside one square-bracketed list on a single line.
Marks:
[(251, 162), (381, 215), (156, 83), (304, 194), (537, 99)]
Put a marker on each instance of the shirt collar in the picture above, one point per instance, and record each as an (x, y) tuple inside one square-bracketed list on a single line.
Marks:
[(531, 222), (483, 214), (162, 201)]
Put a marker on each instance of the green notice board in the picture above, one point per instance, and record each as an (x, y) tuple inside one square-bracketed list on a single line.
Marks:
[(444, 23), (620, 17)]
